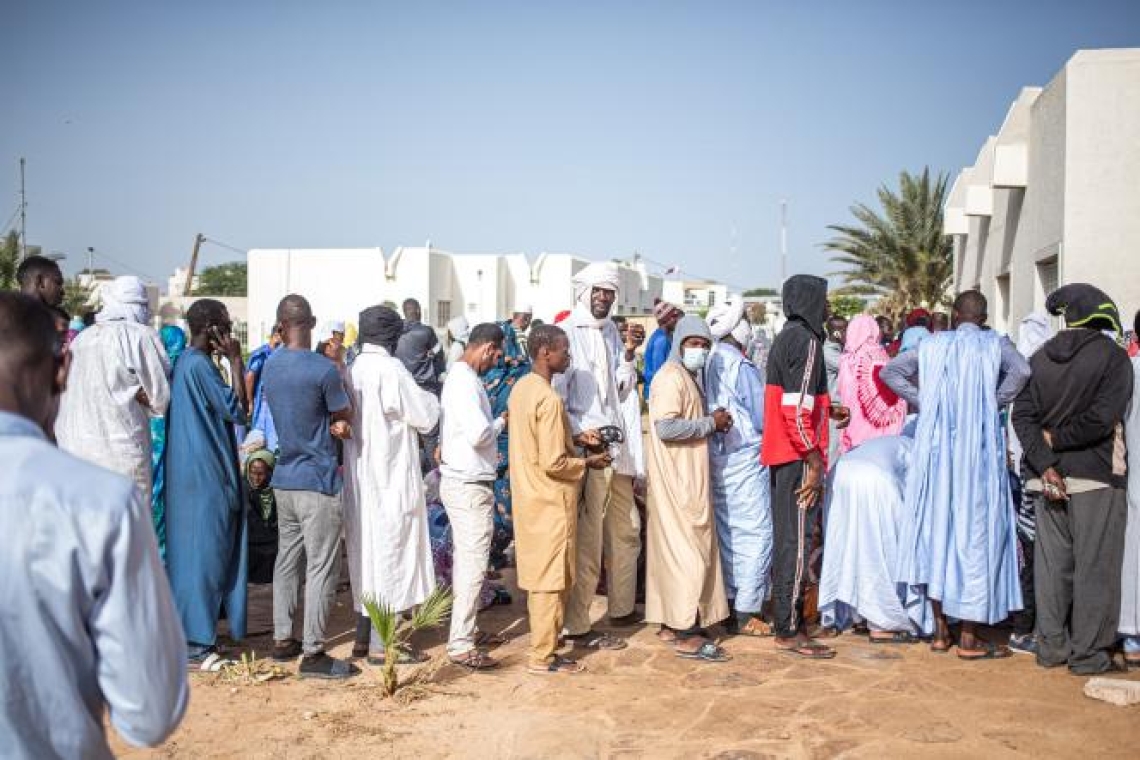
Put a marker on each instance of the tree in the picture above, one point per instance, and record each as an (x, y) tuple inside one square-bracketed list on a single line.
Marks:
[(394, 630), (9, 260), (77, 297), (222, 280), (761, 293), (847, 306), (901, 254)]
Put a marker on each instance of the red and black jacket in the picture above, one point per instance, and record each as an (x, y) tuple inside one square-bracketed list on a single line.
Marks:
[(796, 400)]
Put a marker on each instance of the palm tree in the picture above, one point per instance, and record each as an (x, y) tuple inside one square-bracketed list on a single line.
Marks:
[(900, 255), (394, 631)]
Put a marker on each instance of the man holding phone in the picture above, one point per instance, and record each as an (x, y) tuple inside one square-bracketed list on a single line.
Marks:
[(309, 406)]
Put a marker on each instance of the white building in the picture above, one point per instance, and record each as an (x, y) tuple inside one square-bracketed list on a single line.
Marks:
[(1054, 196), (339, 283), (696, 295)]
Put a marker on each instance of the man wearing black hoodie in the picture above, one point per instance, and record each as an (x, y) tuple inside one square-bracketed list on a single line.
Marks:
[(1069, 419), (796, 412)]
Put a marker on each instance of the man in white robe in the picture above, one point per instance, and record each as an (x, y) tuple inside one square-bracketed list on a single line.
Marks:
[(386, 529), (118, 382), (600, 377)]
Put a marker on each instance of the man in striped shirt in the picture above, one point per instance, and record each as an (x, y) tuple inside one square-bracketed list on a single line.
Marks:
[(796, 412)]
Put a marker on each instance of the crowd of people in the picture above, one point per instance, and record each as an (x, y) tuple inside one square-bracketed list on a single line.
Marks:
[(941, 485)]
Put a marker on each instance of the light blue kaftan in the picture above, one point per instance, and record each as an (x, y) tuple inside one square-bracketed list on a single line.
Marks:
[(865, 510), (740, 484), (206, 555), (958, 541)]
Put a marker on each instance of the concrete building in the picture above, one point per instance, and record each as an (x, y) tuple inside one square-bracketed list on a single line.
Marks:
[(696, 295), (1054, 196), (339, 283)]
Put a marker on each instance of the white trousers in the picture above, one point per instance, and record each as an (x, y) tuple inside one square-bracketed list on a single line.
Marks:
[(470, 509)]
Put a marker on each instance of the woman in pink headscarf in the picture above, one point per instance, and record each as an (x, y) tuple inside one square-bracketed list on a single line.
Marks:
[(875, 409)]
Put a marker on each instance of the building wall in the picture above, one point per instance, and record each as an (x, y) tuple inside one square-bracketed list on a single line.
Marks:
[(1077, 218), (1102, 175)]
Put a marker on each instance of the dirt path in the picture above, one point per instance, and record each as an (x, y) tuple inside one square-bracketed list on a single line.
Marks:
[(871, 701)]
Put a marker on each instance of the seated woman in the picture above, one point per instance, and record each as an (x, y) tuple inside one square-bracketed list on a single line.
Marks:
[(864, 510), (261, 516)]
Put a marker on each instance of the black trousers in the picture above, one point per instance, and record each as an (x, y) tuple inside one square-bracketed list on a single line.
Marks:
[(1080, 548), (791, 535), (1025, 620)]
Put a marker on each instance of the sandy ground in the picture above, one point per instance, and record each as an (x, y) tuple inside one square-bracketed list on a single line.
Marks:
[(871, 701)]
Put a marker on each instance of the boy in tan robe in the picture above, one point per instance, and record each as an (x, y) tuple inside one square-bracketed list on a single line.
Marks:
[(684, 588), (546, 475)]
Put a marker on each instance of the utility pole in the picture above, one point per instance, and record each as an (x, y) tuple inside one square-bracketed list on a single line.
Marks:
[(198, 240), (783, 241), (23, 215), (91, 262)]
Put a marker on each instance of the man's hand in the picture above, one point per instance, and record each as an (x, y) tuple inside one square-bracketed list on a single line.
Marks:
[(598, 461), (142, 398), (1048, 438), (591, 440), (341, 429), (841, 415), (504, 417), (634, 337), (723, 420), (1055, 489), (807, 495)]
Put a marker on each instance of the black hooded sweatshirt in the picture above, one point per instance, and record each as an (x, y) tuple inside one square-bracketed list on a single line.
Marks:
[(795, 399), (1079, 392)]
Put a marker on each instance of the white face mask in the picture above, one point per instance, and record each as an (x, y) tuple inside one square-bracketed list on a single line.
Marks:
[(694, 358)]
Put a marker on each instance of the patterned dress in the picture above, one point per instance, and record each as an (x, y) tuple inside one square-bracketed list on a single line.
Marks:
[(498, 382)]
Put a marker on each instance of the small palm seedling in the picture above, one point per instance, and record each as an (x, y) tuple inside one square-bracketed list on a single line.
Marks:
[(393, 630)]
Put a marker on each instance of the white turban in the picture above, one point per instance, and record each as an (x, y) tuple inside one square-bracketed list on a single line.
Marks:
[(724, 318), (523, 308), (459, 328), (600, 274), (124, 299)]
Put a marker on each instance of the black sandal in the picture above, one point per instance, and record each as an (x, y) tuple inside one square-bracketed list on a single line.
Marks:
[(474, 659)]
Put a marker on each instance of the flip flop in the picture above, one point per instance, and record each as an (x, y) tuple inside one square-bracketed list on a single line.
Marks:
[(810, 651), (940, 646), (895, 637), (598, 640), (709, 652), (475, 660), (559, 665), (988, 652)]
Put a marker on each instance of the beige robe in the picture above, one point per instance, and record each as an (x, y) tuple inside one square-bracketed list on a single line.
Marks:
[(546, 475), (683, 573)]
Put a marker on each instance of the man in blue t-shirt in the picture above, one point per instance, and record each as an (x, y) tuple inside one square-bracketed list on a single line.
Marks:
[(309, 406)]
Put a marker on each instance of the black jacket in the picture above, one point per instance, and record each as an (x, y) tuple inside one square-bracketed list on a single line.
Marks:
[(1079, 392)]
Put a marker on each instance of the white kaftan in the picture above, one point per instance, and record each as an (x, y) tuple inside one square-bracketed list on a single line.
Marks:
[(100, 419), (386, 529)]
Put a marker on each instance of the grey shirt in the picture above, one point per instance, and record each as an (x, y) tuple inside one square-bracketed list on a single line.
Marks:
[(87, 622), (901, 373)]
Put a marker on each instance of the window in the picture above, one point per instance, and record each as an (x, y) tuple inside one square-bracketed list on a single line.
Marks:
[(442, 313)]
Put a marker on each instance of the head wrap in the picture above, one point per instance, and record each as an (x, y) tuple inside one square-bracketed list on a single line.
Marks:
[(724, 317), (523, 308), (124, 299), (263, 497), (915, 315), (880, 410), (381, 326), (460, 329), (1084, 306), (174, 340), (912, 338), (688, 327), (1035, 331), (742, 333), (600, 274), (663, 309)]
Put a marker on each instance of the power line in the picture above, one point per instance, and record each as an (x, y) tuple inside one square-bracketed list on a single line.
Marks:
[(129, 269), (8, 224), (222, 244)]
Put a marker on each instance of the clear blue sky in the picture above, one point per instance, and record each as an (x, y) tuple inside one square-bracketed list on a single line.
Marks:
[(672, 129)]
